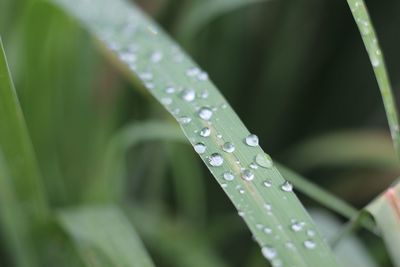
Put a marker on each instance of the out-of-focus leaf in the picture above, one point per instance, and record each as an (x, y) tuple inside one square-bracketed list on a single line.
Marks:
[(16, 147), (185, 90), (104, 237), (187, 248), (372, 149), (14, 227), (350, 251), (386, 211), (23, 199), (203, 12), (366, 27)]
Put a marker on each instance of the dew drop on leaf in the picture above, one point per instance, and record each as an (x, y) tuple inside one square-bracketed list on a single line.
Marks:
[(184, 119), (215, 160), (264, 160), (205, 113), (156, 57), (205, 132), (309, 244), (188, 95), (228, 176), (268, 252), (287, 186), (252, 140), (200, 148), (267, 183), (247, 175), (170, 90), (228, 147)]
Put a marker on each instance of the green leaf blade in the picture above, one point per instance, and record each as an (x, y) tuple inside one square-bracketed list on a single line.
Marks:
[(17, 148), (105, 237), (157, 61), (386, 212), (371, 43)]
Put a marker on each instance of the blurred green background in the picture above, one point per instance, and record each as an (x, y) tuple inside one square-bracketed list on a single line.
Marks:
[(296, 72)]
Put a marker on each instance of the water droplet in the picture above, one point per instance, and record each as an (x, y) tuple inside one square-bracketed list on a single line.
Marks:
[(205, 113), (287, 186), (241, 191), (267, 206), (310, 244), (166, 101), (170, 90), (311, 233), (252, 140), (215, 160), (156, 57), (128, 57), (290, 245), (267, 183), (192, 72), (268, 252), (253, 166), (203, 94), (184, 119), (176, 111), (228, 147), (188, 95), (205, 132), (264, 160), (202, 76), (228, 176), (247, 175), (267, 230), (200, 148), (146, 76), (241, 213), (277, 263), (297, 226)]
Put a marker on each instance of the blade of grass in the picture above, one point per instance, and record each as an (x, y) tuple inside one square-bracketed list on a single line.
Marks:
[(159, 130), (386, 212), (24, 189), (17, 149), (372, 149), (190, 193), (157, 61), (189, 249), (385, 209), (104, 237), (365, 26), (201, 13), (318, 194), (110, 178), (13, 226)]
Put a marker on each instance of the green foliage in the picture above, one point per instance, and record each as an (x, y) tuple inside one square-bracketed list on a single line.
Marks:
[(105, 237), (145, 50), (112, 161)]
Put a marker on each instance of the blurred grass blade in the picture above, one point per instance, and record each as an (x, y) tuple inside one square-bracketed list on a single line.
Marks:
[(386, 211), (159, 130), (164, 70), (23, 203), (110, 178), (190, 248), (17, 149), (105, 237), (318, 194), (13, 227), (372, 149), (202, 13), (364, 23)]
